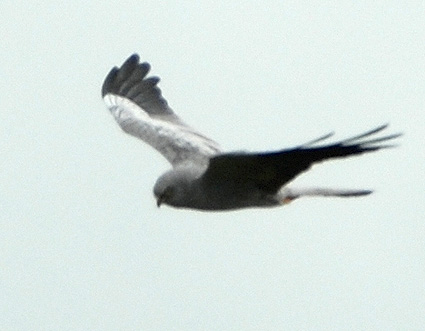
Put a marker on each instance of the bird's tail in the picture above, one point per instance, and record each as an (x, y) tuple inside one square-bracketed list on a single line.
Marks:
[(289, 194)]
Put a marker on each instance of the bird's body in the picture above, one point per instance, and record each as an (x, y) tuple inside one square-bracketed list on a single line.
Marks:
[(203, 176), (199, 193)]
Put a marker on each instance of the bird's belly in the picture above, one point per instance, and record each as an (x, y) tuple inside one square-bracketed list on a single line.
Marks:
[(228, 196)]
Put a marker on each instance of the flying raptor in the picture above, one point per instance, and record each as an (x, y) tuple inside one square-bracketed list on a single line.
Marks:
[(203, 176)]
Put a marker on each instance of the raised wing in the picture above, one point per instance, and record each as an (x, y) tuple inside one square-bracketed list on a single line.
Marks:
[(271, 171), (137, 104)]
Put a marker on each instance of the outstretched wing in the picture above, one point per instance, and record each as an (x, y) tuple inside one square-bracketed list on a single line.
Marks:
[(139, 108), (271, 171)]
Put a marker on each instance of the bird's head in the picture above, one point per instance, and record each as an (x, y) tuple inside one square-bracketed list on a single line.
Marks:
[(175, 188)]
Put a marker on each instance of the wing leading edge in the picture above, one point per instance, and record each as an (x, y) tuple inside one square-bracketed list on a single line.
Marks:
[(139, 108)]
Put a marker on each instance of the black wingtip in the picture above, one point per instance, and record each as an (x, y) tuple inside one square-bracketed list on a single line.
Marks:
[(118, 74), (128, 67), (317, 140), (367, 134), (134, 58), (109, 80), (131, 61), (131, 81)]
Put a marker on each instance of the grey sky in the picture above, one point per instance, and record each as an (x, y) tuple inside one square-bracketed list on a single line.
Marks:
[(83, 244)]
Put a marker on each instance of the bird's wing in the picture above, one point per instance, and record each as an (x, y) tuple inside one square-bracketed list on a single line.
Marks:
[(270, 171), (137, 104)]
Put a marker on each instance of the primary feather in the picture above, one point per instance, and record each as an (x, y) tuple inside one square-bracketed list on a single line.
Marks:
[(137, 104), (203, 177)]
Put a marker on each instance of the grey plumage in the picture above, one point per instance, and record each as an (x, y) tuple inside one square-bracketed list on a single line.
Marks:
[(203, 177)]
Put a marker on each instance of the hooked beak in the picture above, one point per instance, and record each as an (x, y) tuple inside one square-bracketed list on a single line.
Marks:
[(159, 201)]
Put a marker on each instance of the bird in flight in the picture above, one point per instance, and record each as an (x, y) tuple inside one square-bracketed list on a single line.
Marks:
[(204, 177)]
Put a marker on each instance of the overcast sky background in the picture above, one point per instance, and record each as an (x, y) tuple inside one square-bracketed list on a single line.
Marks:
[(82, 243)]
